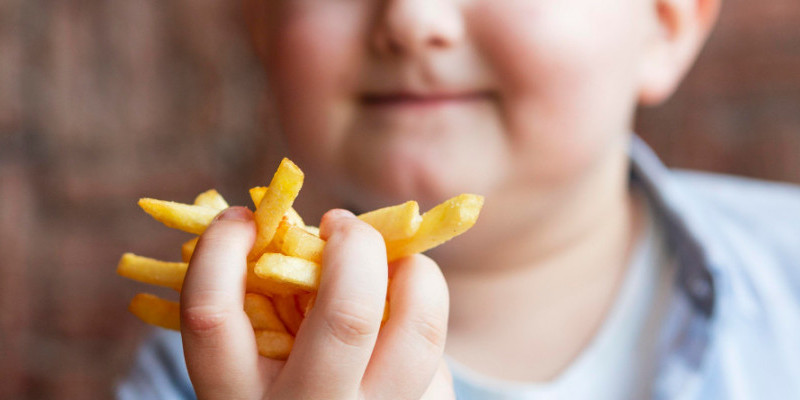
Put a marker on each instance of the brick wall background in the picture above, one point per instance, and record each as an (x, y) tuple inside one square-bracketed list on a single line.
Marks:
[(102, 102)]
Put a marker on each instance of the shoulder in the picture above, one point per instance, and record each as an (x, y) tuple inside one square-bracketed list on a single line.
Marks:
[(745, 213), (744, 197), (752, 230)]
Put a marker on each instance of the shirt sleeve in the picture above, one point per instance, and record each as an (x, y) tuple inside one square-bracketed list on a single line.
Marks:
[(159, 371)]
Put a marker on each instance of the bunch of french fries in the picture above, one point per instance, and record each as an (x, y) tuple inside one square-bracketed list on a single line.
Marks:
[(284, 264)]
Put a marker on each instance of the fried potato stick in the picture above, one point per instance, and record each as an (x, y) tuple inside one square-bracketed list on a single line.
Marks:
[(278, 199), (262, 313), (186, 217), (187, 249), (257, 193), (275, 345), (152, 271), (156, 311), (212, 199), (396, 222), (440, 224), (292, 272), (289, 312), (298, 242)]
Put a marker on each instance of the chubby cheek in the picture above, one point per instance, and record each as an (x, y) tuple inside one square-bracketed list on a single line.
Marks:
[(567, 79), (312, 65)]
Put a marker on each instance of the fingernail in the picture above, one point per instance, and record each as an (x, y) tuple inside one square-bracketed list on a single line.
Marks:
[(235, 214)]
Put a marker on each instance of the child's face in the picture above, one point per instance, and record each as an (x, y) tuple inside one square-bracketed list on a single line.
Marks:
[(419, 99)]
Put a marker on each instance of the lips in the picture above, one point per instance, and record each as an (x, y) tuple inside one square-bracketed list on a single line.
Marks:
[(409, 99)]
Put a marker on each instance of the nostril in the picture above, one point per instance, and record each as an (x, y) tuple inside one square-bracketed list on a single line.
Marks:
[(438, 42)]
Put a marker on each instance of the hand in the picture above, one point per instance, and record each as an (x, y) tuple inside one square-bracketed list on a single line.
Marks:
[(338, 352)]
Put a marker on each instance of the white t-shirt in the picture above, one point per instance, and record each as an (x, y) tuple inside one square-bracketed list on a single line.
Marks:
[(619, 361)]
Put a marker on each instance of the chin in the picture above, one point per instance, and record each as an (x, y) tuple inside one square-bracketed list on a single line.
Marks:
[(384, 181)]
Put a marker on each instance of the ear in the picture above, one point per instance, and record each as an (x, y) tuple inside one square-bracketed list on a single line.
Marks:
[(681, 29), (256, 17)]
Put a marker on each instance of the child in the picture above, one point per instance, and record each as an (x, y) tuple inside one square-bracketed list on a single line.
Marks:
[(593, 272)]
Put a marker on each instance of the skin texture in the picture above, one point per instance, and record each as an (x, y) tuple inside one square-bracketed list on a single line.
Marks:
[(527, 102)]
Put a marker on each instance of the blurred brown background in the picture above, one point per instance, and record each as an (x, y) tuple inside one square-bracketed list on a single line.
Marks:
[(102, 102)]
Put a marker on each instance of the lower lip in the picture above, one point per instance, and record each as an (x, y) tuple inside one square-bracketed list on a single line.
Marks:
[(422, 103)]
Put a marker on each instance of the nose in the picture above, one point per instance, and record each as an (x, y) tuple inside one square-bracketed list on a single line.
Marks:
[(405, 27)]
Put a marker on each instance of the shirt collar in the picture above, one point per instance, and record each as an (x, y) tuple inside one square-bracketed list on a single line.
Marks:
[(694, 275)]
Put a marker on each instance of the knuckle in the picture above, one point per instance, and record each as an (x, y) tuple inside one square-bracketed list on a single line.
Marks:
[(204, 318), (351, 324), (206, 311)]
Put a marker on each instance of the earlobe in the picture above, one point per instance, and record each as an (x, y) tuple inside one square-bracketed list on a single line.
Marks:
[(682, 27)]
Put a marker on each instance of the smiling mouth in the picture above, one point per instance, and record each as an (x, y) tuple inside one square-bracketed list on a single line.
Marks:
[(414, 100)]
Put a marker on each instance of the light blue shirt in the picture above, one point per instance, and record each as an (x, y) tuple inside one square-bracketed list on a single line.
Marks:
[(732, 329)]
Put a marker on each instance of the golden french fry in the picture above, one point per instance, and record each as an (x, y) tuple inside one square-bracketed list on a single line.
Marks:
[(257, 193), (396, 222), (154, 272), (275, 345), (280, 233), (312, 230), (385, 313), (385, 316), (156, 311), (278, 199), (267, 287), (439, 224), (187, 249), (305, 301), (293, 273), (171, 275), (186, 217), (262, 313), (212, 199), (289, 312), (298, 242), (281, 283)]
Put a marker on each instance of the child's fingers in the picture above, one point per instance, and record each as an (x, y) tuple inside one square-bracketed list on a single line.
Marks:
[(442, 386), (336, 339), (218, 340), (409, 349)]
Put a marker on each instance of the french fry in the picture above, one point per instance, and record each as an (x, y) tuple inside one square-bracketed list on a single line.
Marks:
[(154, 272), (291, 272), (156, 311), (278, 199), (262, 313), (305, 301), (212, 199), (186, 217), (267, 287), (187, 249), (439, 224), (283, 268), (396, 222), (289, 312), (257, 193), (280, 233), (275, 345), (298, 242), (312, 230)]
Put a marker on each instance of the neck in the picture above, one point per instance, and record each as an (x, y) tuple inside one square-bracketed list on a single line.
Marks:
[(529, 290)]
